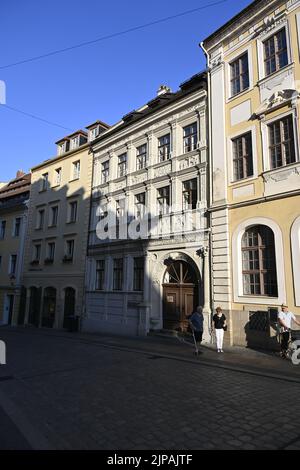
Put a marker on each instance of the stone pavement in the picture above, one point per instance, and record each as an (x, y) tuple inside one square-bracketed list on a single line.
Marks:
[(78, 391)]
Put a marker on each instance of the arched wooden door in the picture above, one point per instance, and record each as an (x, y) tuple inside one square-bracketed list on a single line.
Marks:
[(69, 305), (180, 295)]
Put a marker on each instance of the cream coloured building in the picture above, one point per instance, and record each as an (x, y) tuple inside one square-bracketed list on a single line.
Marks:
[(254, 74), (153, 161), (14, 200), (58, 218)]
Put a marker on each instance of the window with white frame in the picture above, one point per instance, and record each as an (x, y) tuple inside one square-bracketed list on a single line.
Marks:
[(58, 173), (140, 205), (281, 142), (76, 170), (239, 74), (53, 216), (122, 164), (40, 219), (259, 262), (61, 149), (2, 229), (72, 211), (69, 249), (164, 148), (275, 52), (163, 200), (17, 227), (118, 272), (138, 274), (93, 133), (44, 182), (13, 265), (105, 171), (103, 211), (120, 207), (36, 252), (242, 157), (141, 157), (190, 194), (100, 274), (50, 251), (295, 242), (74, 142), (190, 137)]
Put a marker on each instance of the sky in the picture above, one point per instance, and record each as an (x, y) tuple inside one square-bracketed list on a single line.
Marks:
[(104, 80)]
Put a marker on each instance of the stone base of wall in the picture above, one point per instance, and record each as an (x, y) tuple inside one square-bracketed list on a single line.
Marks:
[(242, 333)]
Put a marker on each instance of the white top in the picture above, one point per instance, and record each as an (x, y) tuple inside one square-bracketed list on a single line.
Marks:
[(287, 317)]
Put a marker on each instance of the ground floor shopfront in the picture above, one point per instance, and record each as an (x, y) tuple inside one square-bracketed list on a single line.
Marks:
[(52, 302), (134, 289)]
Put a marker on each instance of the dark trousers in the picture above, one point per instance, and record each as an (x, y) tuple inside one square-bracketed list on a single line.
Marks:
[(198, 336), (284, 341)]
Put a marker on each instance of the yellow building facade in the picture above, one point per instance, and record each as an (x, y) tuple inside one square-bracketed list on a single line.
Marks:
[(254, 71), (56, 243), (14, 199)]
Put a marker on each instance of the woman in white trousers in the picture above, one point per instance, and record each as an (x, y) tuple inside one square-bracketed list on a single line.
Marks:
[(219, 325)]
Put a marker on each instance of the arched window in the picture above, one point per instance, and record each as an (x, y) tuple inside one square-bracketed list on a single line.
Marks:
[(259, 262), (49, 307)]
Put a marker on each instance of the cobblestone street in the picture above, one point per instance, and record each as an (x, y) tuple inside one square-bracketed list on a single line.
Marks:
[(66, 391)]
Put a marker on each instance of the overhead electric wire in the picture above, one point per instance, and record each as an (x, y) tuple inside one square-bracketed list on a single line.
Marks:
[(36, 117), (113, 35)]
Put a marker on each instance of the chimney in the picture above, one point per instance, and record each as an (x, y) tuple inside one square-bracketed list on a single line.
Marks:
[(163, 89), (20, 173)]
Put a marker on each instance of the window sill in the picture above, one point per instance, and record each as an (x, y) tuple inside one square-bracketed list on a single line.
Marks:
[(74, 179), (67, 260), (240, 183), (264, 79), (239, 95), (257, 300), (267, 174)]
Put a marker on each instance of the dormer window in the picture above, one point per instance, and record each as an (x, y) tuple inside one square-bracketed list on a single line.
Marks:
[(75, 142), (63, 147), (93, 133)]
